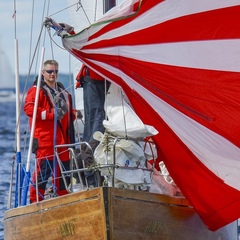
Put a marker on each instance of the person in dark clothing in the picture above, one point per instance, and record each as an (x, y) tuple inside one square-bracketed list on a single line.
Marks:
[(94, 91), (94, 98)]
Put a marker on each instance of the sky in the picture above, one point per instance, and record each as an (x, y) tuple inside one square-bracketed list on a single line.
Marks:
[(23, 33), (27, 34)]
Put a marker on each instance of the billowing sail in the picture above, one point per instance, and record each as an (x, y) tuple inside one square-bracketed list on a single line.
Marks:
[(178, 61)]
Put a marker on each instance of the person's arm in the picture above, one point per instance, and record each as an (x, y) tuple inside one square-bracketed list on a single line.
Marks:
[(43, 113)]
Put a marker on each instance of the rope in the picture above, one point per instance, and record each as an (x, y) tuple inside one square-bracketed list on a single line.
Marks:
[(124, 118), (85, 14), (95, 14), (31, 35), (52, 40), (67, 8), (35, 52)]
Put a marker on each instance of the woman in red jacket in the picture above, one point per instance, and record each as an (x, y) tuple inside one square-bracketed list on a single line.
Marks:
[(52, 98)]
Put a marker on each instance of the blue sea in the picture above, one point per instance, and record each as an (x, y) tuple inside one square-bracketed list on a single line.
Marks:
[(7, 153), (7, 149)]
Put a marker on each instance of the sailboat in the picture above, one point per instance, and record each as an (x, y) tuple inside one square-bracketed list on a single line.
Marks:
[(180, 78)]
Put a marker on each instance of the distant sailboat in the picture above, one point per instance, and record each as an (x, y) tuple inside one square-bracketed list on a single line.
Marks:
[(7, 83)]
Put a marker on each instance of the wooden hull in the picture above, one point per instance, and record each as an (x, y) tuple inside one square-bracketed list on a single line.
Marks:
[(110, 213)]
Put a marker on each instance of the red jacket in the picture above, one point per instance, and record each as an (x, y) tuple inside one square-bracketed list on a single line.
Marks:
[(82, 73), (44, 127)]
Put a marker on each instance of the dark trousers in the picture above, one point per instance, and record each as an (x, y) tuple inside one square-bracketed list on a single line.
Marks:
[(94, 113), (94, 98)]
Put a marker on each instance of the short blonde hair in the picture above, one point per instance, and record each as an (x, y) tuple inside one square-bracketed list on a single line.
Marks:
[(50, 62)]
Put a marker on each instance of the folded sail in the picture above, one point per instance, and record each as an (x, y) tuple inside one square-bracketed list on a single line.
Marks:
[(178, 61)]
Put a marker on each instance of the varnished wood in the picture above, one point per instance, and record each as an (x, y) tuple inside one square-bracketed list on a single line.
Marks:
[(74, 216), (111, 214), (136, 216)]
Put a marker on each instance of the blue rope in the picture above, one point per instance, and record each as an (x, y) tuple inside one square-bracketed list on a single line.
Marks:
[(54, 144), (18, 185)]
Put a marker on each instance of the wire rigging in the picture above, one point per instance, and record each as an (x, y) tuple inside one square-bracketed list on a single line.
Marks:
[(46, 7), (31, 34), (95, 13)]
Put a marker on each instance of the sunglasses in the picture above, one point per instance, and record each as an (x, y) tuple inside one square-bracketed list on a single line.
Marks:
[(51, 71)]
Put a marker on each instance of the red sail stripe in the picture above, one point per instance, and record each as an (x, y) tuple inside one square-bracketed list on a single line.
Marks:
[(209, 97)]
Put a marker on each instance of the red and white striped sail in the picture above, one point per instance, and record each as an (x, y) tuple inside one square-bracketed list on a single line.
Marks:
[(178, 61)]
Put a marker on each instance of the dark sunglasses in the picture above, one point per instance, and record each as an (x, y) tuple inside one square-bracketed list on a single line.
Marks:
[(51, 71)]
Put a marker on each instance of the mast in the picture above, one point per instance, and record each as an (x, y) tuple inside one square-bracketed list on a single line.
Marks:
[(19, 173), (18, 139), (28, 174)]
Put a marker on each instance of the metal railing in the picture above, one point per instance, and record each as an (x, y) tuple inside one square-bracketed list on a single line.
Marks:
[(74, 166)]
